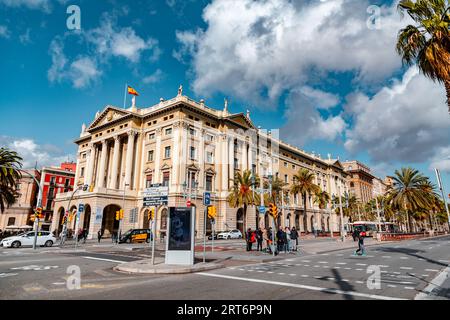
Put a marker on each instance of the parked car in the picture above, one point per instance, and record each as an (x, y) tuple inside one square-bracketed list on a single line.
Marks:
[(216, 233), (44, 238), (136, 235), (233, 234)]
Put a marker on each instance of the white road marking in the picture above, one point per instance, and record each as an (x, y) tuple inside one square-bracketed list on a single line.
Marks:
[(359, 269), (425, 275), (304, 276), (361, 264), (316, 266), (383, 266), (404, 258), (432, 270), (306, 260), (396, 272), (260, 271), (407, 268), (435, 283), (341, 262), (323, 261), (332, 279), (392, 285), (5, 275), (317, 277), (444, 261), (292, 274), (386, 257), (360, 282), (59, 283), (325, 254), (409, 288), (336, 267), (348, 268), (269, 272), (306, 265), (281, 273), (421, 259), (116, 261), (345, 280)]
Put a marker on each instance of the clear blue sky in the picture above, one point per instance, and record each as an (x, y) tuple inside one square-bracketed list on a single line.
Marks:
[(323, 72)]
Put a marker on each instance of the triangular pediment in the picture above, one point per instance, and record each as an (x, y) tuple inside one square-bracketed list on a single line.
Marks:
[(165, 166), (193, 167), (242, 120), (108, 115), (210, 171), (149, 170)]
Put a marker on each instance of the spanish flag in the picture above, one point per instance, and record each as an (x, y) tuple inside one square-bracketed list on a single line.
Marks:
[(132, 91)]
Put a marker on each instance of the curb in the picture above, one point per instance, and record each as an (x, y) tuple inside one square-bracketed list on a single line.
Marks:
[(169, 270)]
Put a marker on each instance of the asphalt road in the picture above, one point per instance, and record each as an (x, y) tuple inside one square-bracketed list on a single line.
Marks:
[(405, 270)]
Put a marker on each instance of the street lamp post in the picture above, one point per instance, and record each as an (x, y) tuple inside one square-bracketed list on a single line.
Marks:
[(342, 214), (438, 176), (41, 193)]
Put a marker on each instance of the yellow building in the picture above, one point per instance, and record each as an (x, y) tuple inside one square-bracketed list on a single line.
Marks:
[(191, 148)]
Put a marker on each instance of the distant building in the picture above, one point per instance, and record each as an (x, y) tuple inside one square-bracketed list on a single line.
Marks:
[(55, 180), (17, 216), (360, 180), (379, 187)]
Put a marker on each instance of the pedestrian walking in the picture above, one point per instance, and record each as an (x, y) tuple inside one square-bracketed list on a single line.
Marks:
[(99, 235), (113, 237), (361, 248), (248, 238), (280, 239), (287, 244), (269, 241), (259, 239), (294, 238), (85, 235)]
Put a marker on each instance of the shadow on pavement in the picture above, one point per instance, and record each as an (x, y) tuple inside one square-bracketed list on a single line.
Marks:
[(343, 285), (413, 253)]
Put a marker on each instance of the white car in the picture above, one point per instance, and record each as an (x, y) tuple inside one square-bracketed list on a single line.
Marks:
[(233, 234), (44, 238)]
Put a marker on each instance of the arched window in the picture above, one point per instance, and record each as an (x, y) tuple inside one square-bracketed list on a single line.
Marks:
[(163, 219)]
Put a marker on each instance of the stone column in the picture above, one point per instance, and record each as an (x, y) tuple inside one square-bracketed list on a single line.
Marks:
[(224, 160), (183, 151), (137, 163), (158, 155), (115, 164), (230, 160), (176, 157), (90, 164), (77, 172), (129, 159), (244, 156), (101, 170), (201, 160)]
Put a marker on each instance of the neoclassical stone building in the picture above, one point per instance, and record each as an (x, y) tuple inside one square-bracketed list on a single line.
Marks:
[(191, 148)]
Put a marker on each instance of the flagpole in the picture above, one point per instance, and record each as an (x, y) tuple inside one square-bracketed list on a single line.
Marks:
[(125, 96)]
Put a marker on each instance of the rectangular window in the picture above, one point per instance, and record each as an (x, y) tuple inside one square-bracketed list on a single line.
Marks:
[(82, 172), (18, 186), (151, 136), (11, 221), (209, 138), (192, 131), (209, 157), (236, 163), (286, 178), (52, 180), (83, 156), (293, 166), (168, 131), (166, 178), (286, 164), (150, 156), (208, 184), (191, 180), (192, 153), (167, 152), (148, 181)]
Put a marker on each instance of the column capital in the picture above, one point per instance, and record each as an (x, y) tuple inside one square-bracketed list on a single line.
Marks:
[(104, 142), (177, 124), (116, 138), (132, 133), (158, 131)]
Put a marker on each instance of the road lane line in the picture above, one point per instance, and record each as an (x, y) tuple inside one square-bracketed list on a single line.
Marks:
[(392, 286), (404, 258), (304, 276), (386, 257), (306, 260), (110, 260), (361, 264), (435, 283), (407, 268), (359, 269), (292, 274), (409, 288), (360, 282), (432, 270), (341, 263), (323, 261)]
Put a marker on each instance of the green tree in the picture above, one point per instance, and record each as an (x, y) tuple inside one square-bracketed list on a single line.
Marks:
[(427, 43), (241, 194), (322, 199), (10, 165), (407, 194), (304, 185)]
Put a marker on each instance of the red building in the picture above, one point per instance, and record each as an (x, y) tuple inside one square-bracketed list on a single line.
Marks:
[(55, 180)]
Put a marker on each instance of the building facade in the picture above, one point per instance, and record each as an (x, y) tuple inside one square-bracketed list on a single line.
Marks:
[(17, 216), (379, 187), (191, 148), (360, 180), (55, 180)]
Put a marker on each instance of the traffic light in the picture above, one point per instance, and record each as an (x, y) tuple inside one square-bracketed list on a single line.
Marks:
[(119, 214), (212, 212), (151, 214), (273, 210), (64, 219)]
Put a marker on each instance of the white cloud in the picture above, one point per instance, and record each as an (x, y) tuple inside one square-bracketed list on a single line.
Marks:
[(103, 43), (25, 38), (81, 72), (258, 49), (305, 123), (406, 121), (441, 159), (4, 32), (32, 153), (154, 77), (43, 5)]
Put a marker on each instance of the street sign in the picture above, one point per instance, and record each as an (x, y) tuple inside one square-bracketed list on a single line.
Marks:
[(155, 201), (207, 198), (262, 209), (81, 208), (157, 191)]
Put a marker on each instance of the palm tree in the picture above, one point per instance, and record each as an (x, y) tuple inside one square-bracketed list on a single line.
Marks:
[(10, 164), (407, 193), (241, 194), (433, 198), (304, 184), (428, 42), (322, 199)]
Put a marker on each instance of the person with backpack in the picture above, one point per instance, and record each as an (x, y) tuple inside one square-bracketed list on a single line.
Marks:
[(361, 235)]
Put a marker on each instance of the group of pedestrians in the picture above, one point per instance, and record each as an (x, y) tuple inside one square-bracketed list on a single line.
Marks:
[(285, 239)]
